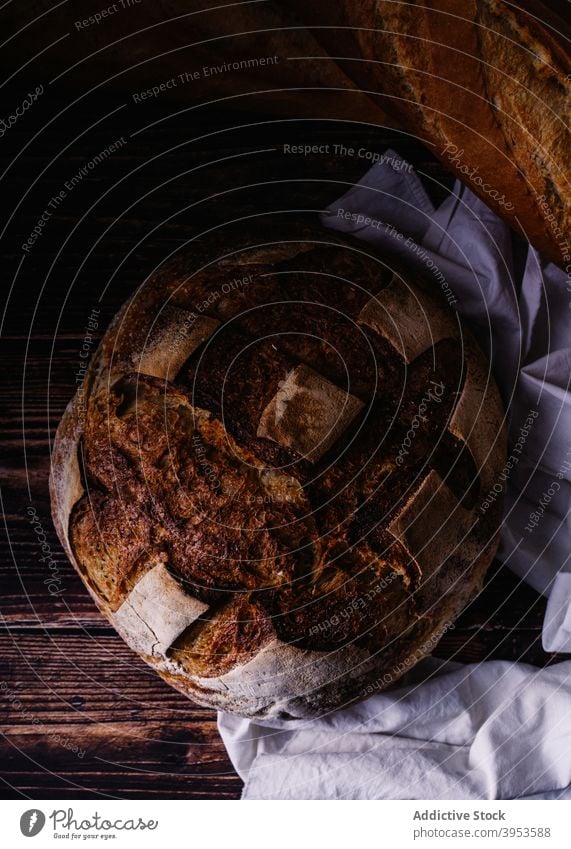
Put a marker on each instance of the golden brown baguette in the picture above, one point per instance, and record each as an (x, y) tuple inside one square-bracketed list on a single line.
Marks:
[(484, 83)]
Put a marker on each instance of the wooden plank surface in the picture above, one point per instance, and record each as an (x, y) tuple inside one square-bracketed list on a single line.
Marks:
[(81, 715), (84, 716)]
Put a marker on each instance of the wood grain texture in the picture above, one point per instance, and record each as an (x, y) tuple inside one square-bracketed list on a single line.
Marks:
[(83, 716), (67, 679)]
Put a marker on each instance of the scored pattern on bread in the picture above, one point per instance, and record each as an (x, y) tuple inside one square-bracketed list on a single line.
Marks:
[(174, 336), (156, 612), (474, 410), (308, 413), (292, 508), (415, 529), (405, 317)]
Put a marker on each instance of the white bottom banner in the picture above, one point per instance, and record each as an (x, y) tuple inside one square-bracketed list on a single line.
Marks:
[(335, 825)]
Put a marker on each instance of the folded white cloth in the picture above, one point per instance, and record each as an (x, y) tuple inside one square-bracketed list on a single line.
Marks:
[(523, 321), (492, 730), (484, 731)]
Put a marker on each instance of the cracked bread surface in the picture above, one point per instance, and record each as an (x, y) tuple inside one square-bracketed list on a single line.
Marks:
[(485, 84)]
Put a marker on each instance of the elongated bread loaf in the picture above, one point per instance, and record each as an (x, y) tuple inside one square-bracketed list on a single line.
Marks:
[(484, 83)]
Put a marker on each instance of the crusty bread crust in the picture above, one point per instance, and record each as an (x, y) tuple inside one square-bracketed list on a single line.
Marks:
[(257, 571)]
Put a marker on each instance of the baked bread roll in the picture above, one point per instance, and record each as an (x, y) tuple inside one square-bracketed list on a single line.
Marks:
[(272, 478)]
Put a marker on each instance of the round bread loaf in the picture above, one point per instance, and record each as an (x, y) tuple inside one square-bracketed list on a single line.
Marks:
[(272, 479)]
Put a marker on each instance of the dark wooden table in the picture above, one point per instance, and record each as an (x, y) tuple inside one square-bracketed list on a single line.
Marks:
[(81, 715)]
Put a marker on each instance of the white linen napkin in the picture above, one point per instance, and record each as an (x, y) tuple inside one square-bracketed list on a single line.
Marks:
[(495, 729), (523, 321)]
